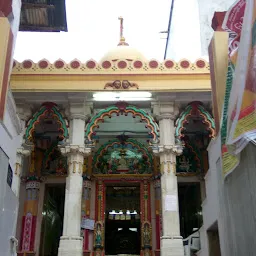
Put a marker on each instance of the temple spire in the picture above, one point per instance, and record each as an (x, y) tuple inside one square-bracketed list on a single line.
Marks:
[(122, 39)]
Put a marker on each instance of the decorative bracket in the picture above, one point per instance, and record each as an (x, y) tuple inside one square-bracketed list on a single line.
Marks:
[(75, 149), (20, 154), (176, 149), (121, 85)]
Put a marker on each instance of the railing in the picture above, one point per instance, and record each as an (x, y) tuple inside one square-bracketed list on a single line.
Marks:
[(42, 15), (47, 2), (192, 244)]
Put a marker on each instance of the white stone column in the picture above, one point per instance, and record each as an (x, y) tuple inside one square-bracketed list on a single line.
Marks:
[(71, 242), (24, 113), (171, 241), (21, 153)]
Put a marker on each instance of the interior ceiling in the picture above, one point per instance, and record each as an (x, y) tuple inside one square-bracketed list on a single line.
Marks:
[(117, 125), (47, 128), (62, 98), (194, 125)]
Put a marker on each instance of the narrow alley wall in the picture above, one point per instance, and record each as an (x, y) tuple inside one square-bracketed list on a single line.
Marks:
[(237, 198)]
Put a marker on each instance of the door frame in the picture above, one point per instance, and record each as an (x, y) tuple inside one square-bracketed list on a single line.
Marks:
[(47, 181), (144, 182)]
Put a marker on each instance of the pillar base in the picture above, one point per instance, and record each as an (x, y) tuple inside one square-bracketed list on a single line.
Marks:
[(71, 246), (172, 246)]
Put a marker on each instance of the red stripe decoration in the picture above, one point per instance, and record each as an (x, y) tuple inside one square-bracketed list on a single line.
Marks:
[(142, 202), (149, 203), (33, 234), (103, 204), (86, 240), (96, 201), (157, 232), (27, 232)]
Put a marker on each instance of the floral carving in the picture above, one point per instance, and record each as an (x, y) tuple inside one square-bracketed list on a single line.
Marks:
[(121, 85)]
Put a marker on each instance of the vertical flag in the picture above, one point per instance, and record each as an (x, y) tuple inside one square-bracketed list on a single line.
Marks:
[(232, 24), (242, 112), (239, 110)]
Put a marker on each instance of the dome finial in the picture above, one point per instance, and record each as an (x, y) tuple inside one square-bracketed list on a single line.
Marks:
[(122, 39)]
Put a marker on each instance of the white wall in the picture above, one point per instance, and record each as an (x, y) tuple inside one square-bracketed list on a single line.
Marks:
[(10, 140), (210, 205), (231, 203), (237, 200), (15, 19)]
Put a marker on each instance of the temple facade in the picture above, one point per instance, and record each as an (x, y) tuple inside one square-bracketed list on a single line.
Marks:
[(111, 157), (117, 154)]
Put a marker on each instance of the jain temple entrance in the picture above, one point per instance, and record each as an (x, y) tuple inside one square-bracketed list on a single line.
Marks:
[(114, 150), (122, 219)]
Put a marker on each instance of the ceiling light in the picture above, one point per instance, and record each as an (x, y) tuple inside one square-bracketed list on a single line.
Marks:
[(122, 96)]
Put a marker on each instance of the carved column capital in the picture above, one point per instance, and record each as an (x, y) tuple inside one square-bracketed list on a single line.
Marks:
[(176, 149), (20, 154), (75, 154), (75, 149), (79, 110), (165, 110), (23, 151), (24, 111), (33, 184), (162, 116)]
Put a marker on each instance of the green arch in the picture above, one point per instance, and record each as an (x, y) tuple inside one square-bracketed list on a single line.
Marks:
[(121, 108), (45, 109), (115, 143), (187, 112)]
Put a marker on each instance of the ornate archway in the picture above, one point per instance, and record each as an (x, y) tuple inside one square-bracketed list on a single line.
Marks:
[(48, 111), (194, 109), (138, 158), (121, 108), (189, 163)]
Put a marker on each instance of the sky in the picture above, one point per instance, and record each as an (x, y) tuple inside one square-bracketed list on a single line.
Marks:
[(93, 29)]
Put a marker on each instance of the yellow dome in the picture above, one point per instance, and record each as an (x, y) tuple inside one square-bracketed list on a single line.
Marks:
[(123, 52)]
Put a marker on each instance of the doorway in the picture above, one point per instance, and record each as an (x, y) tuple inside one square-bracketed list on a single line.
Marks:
[(52, 221), (189, 208), (122, 220)]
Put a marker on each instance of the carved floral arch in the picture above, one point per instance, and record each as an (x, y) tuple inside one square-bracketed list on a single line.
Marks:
[(194, 108), (117, 144), (121, 108), (50, 110)]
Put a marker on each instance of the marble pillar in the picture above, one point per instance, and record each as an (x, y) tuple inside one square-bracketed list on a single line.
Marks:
[(24, 112), (29, 220), (171, 241), (71, 242), (27, 242), (21, 153)]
